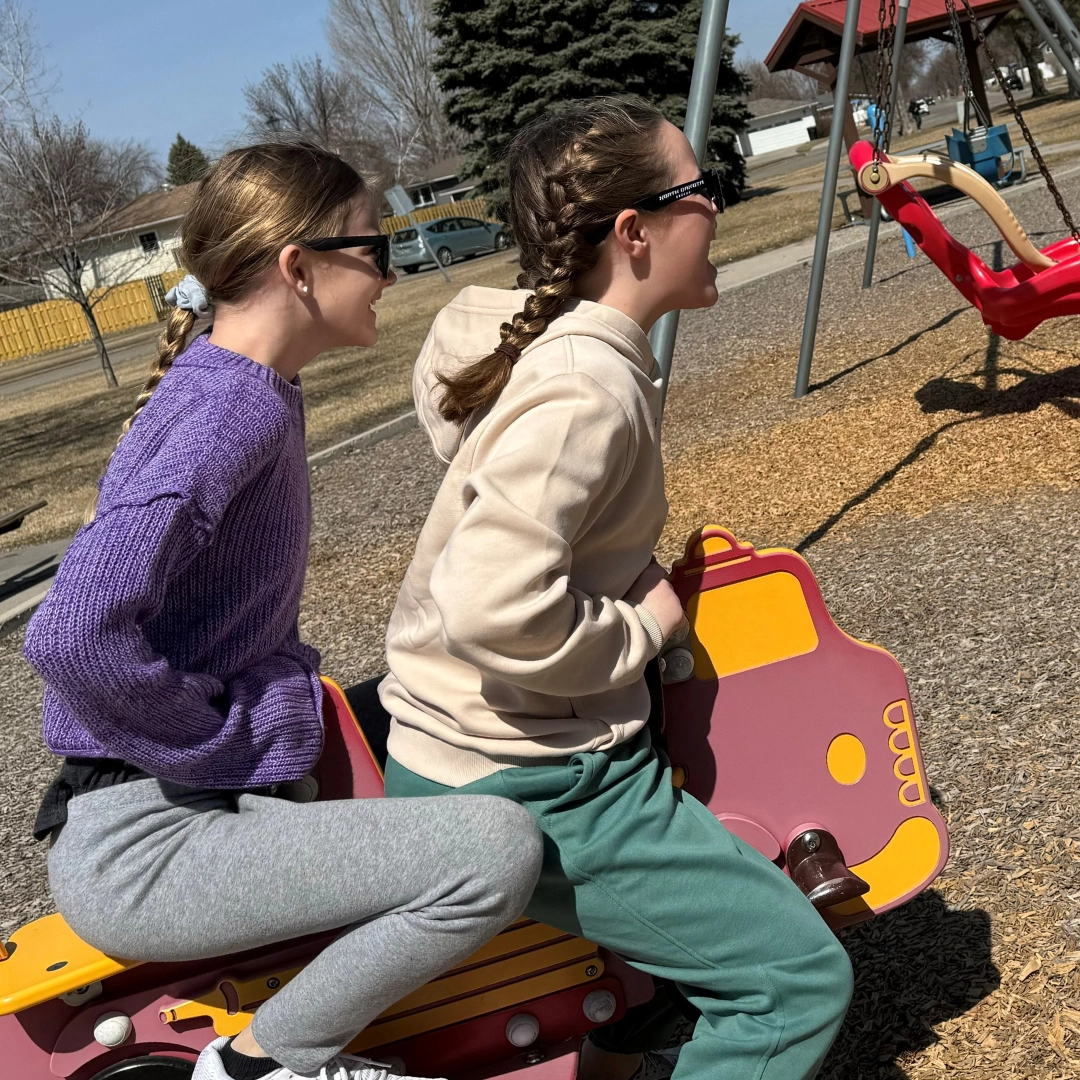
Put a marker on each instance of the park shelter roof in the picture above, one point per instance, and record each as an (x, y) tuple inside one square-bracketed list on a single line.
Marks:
[(814, 30)]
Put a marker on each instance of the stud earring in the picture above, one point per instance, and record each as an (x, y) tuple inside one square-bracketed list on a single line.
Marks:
[(305, 288)]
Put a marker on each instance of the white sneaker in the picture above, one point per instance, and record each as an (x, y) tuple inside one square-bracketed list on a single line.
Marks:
[(343, 1067)]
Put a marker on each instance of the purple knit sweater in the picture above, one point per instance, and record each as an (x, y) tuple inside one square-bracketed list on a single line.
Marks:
[(170, 636)]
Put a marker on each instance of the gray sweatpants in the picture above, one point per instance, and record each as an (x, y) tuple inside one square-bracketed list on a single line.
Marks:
[(158, 872)]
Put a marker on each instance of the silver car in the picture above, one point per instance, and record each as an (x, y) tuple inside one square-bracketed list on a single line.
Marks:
[(449, 238)]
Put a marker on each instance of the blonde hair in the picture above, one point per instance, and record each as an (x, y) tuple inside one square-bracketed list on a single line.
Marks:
[(250, 204), (570, 173)]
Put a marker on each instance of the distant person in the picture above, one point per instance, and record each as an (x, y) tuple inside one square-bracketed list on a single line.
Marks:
[(915, 111), (533, 603), (176, 685)]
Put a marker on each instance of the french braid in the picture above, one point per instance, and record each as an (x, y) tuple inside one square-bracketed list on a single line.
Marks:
[(569, 172)]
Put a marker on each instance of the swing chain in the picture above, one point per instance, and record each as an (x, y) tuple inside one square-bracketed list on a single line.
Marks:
[(883, 97), (965, 74), (1030, 139)]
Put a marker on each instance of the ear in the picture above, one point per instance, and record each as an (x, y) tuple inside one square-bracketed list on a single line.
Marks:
[(293, 265), (631, 234)]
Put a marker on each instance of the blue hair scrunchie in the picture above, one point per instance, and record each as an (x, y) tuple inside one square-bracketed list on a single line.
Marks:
[(189, 294)]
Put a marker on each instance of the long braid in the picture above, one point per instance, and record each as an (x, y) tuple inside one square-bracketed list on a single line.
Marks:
[(569, 174), (171, 344), (564, 255)]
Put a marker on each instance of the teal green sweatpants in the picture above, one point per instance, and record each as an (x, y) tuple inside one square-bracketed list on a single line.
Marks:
[(645, 870)]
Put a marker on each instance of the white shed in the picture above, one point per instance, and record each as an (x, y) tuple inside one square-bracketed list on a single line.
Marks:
[(777, 125)]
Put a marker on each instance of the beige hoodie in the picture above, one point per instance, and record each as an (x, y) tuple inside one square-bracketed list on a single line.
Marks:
[(509, 644)]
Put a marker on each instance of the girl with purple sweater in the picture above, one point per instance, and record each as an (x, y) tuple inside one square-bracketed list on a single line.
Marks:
[(176, 685)]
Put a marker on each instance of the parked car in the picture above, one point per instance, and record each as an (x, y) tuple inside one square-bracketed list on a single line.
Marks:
[(449, 238), (1011, 78)]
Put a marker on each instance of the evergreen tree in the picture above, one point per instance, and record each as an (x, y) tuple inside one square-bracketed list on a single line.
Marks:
[(503, 62), (186, 162)]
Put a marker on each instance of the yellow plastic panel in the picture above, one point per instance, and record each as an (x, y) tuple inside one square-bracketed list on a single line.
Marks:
[(846, 759), (49, 943), (455, 1012), (749, 624), (903, 864)]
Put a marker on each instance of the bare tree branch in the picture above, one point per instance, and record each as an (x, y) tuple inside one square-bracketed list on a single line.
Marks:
[(25, 81), (318, 103), (388, 47), (60, 188)]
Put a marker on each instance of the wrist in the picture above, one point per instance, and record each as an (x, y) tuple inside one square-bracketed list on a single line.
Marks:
[(651, 626)]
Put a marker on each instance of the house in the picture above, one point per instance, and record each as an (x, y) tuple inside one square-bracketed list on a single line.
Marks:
[(778, 124), (440, 184), (138, 240)]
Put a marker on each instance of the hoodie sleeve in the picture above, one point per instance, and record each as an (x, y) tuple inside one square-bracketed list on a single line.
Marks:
[(502, 583)]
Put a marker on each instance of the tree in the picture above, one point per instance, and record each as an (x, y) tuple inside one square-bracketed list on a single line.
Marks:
[(390, 49), (24, 79), (319, 103), (503, 62), (187, 162), (59, 188), (1018, 36), (778, 85)]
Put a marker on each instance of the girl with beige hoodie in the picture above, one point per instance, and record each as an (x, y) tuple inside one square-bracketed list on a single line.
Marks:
[(518, 645)]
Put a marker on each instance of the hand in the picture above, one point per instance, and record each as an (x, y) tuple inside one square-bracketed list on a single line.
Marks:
[(654, 592)]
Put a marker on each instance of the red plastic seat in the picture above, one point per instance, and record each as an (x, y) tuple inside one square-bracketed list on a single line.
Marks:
[(1012, 301)]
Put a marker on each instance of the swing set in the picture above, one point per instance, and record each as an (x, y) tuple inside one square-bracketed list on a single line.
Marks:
[(1042, 284)]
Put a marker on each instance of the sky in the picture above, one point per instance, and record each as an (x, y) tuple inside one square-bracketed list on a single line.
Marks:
[(145, 71)]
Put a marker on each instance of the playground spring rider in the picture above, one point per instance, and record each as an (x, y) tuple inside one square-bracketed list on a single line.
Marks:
[(798, 737), (1043, 284)]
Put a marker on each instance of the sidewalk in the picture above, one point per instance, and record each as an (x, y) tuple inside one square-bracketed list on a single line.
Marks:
[(26, 576), (85, 350)]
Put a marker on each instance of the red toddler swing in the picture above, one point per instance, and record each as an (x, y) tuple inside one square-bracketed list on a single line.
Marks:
[(1043, 284)]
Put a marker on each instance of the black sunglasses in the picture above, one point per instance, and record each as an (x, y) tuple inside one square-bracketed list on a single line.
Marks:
[(380, 244), (709, 182)]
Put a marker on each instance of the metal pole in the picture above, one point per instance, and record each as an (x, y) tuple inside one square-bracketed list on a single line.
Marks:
[(1061, 17), (699, 107), (828, 196), (894, 89), (1044, 31)]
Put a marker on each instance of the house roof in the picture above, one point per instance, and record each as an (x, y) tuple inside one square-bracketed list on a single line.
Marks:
[(769, 106), (153, 208), (814, 30)]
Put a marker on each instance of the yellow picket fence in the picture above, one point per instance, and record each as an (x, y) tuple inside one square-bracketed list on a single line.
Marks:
[(465, 208), (56, 324)]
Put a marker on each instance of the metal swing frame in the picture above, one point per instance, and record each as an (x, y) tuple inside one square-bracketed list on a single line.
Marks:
[(832, 166)]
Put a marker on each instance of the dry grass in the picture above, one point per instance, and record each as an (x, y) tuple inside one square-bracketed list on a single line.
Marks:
[(56, 440)]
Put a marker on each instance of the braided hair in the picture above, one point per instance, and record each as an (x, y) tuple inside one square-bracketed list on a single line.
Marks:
[(570, 172), (250, 204)]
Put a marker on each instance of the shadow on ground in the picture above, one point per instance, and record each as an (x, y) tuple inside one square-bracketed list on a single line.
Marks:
[(978, 397), (914, 967)]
